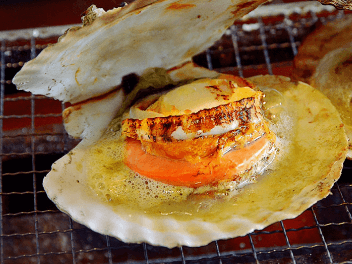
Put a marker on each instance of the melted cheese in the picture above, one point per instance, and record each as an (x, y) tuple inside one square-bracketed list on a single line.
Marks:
[(193, 97)]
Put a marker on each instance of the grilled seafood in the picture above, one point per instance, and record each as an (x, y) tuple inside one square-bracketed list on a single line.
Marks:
[(195, 148), (96, 187), (234, 182)]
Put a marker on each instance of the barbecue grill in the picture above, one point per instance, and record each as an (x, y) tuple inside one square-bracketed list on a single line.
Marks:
[(32, 137)]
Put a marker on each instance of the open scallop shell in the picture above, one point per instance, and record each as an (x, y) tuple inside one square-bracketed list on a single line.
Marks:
[(89, 62), (310, 160), (333, 77), (324, 61), (326, 38), (89, 119)]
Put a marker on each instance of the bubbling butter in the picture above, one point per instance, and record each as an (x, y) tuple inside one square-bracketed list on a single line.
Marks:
[(115, 183)]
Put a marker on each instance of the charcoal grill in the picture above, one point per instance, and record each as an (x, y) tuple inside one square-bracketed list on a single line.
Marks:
[(32, 230)]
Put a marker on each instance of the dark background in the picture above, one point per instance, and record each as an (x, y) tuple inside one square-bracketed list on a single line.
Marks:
[(19, 14)]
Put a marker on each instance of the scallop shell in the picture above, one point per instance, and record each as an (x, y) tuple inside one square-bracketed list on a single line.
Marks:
[(326, 38), (333, 77), (319, 60), (89, 119), (314, 146), (91, 61)]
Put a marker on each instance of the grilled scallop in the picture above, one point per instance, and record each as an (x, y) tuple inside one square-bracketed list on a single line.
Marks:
[(189, 147), (96, 187), (227, 178)]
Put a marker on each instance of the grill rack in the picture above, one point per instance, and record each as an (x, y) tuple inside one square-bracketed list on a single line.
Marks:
[(32, 230)]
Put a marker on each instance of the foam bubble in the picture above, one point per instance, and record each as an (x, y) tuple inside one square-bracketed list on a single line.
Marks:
[(114, 182)]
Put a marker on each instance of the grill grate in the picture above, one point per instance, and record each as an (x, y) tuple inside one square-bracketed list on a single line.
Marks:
[(32, 230)]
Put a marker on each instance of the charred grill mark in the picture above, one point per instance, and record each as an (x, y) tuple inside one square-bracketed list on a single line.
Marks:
[(247, 83), (217, 91), (166, 126), (214, 87), (167, 138)]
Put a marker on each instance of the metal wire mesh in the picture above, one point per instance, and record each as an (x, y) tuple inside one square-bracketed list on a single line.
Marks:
[(32, 230)]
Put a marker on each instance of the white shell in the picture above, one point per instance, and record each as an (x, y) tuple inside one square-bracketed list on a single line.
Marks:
[(303, 173), (89, 119), (90, 61)]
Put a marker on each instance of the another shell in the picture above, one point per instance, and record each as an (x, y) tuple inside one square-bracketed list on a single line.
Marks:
[(326, 38), (324, 60), (333, 77)]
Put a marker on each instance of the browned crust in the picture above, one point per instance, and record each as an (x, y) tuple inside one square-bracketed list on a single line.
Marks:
[(159, 129), (194, 150)]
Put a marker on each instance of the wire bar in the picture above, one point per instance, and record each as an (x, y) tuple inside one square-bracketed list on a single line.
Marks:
[(20, 193), (31, 213), (218, 251), (322, 236), (55, 253), (145, 253), (265, 45), (39, 233), (24, 98), (36, 135), (33, 55), (72, 241), (290, 34), (253, 249), (344, 202), (30, 116), (24, 172), (182, 255), (288, 242), (37, 255), (334, 205), (236, 49), (50, 233), (2, 96), (28, 153), (104, 249), (109, 249)]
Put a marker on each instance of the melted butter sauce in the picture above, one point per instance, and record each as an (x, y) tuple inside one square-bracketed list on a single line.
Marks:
[(113, 182), (299, 175)]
